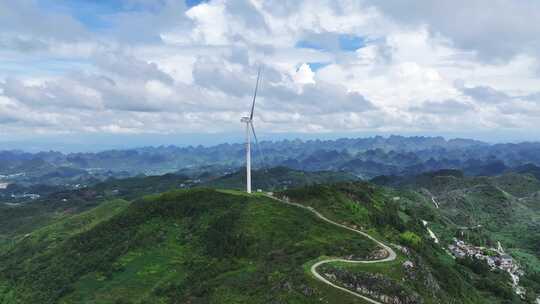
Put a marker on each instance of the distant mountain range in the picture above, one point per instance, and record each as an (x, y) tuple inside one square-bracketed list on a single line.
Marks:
[(363, 157)]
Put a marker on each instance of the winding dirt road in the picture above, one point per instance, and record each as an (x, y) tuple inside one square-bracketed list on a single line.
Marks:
[(390, 257)]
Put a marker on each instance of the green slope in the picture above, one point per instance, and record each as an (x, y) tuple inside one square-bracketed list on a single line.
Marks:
[(26, 217), (396, 216), (198, 246), (223, 246), (507, 207), (483, 211)]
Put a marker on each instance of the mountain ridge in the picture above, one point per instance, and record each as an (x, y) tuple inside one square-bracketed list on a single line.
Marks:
[(364, 157)]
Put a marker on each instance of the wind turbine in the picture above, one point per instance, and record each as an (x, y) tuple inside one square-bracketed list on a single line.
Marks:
[(249, 128)]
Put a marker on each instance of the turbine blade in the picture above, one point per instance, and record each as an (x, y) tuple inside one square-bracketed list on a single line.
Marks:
[(255, 94), (258, 146)]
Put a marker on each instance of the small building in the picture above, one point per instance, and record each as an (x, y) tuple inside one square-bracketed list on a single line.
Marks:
[(408, 265), (506, 261)]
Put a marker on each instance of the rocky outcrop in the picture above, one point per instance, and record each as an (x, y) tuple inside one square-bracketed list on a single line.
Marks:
[(374, 286)]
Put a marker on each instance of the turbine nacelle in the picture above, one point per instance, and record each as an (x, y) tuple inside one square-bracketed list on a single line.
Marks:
[(245, 120)]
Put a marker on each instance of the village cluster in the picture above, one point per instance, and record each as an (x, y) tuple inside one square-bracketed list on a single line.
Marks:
[(495, 258)]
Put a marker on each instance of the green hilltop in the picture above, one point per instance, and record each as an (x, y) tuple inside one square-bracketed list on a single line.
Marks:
[(201, 246), (279, 178)]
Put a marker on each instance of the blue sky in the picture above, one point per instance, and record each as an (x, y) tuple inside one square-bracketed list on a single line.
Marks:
[(343, 42), (89, 13), (191, 3), (137, 72), (93, 13), (315, 66)]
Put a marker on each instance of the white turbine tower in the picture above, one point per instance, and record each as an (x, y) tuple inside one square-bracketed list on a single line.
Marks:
[(249, 128)]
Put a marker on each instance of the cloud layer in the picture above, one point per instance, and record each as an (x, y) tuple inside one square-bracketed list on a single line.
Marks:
[(136, 66)]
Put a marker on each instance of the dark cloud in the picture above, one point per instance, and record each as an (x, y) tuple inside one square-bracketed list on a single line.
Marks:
[(329, 98), (327, 41), (7, 118), (495, 29), (49, 94), (23, 45), (245, 11), (319, 98), (101, 92), (445, 107), (239, 56), (213, 75), (493, 96), (485, 94), (281, 8), (533, 97), (26, 18), (130, 67)]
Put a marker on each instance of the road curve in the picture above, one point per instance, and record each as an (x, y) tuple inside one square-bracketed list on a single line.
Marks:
[(390, 257)]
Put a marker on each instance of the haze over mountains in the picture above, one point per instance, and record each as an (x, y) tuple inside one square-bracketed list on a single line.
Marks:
[(363, 157)]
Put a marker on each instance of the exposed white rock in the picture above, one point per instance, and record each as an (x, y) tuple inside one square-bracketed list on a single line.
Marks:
[(431, 234), (435, 202)]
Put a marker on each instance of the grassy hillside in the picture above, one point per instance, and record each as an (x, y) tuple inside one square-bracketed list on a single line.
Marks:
[(482, 211), (197, 246), (396, 216), (22, 218), (507, 207), (223, 246)]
